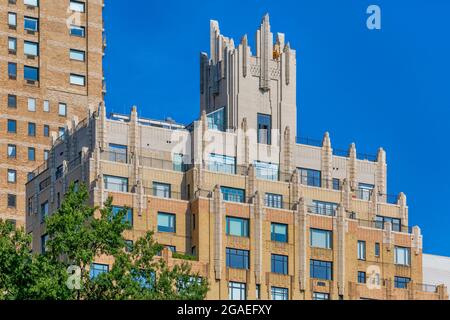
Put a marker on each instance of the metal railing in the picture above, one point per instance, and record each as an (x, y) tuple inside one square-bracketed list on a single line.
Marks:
[(167, 194), (74, 163), (323, 211), (45, 183), (382, 225), (121, 157), (226, 168), (425, 287), (309, 142)]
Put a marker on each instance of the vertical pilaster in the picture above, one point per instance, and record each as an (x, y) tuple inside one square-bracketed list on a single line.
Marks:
[(352, 171), (302, 243), (381, 172), (218, 214), (265, 50), (340, 230), (327, 162)]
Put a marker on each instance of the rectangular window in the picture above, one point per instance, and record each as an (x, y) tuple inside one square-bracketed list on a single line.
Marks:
[(402, 256), (31, 154), (77, 31), (44, 211), (30, 176), (166, 222), (310, 177), (31, 48), (77, 80), (162, 190), (273, 200), (361, 250), (178, 162), (279, 264), (237, 227), (30, 24), (46, 106), (401, 282), (97, 269), (221, 163), (336, 184), (77, 6), (31, 104), (324, 208), (46, 131), (31, 73), (12, 45), (233, 194), (361, 277), (12, 176), (279, 293), (377, 249), (46, 154), (128, 216), (380, 223), (364, 191), (77, 55), (12, 151), (279, 232), (12, 200), (321, 269), (264, 128), (32, 3), (266, 170), (62, 109), (12, 70), (237, 291), (216, 120), (44, 240), (237, 259), (59, 172), (12, 19), (12, 126), (116, 183), (321, 238), (118, 153), (12, 101), (61, 132), (128, 245), (321, 296), (31, 129)]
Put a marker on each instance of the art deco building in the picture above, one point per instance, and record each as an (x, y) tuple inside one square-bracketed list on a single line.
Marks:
[(263, 215), (51, 72)]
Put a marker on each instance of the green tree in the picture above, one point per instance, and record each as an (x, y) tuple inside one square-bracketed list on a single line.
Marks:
[(77, 236)]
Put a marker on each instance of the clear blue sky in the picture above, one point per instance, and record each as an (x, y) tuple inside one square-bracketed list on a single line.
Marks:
[(388, 88)]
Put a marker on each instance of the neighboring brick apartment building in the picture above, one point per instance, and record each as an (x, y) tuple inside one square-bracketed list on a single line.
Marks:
[(266, 215), (51, 73)]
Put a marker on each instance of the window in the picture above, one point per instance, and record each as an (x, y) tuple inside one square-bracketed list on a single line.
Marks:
[(77, 55), (128, 216), (321, 238), (361, 277), (402, 256), (216, 120), (61, 132), (310, 177), (97, 269), (221, 163), (12, 19), (279, 232), (161, 190), (324, 208), (44, 240), (31, 129), (46, 130), (59, 172), (62, 109), (237, 227), (77, 6), (118, 153), (336, 184), (128, 245), (264, 128), (12, 126), (77, 31), (401, 282), (361, 250), (116, 183), (44, 211), (12, 70), (12, 45), (30, 24), (321, 296), (46, 154), (46, 106), (12, 200), (377, 249), (12, 101), (33, 3), (365, 191), (279, 293), (31, 73), (232, 194), (279, 264), (237, 259), (31, 154), (31, 104), (321, 270), (12, 151), (12, 176), (166, 222), (30, 176), (77, 80), (380, 223), (266, 171), (31, 48), (178, 162), (237, 291)]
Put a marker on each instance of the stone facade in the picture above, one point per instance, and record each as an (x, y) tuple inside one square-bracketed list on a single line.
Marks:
[(306, 187)]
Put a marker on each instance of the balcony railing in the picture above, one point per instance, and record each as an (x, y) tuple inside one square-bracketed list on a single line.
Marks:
[(323, 211), (382, 225), (425, 287), (167, 194)]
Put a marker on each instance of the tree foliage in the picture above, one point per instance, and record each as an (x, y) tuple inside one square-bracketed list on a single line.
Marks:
[(78, 234)]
